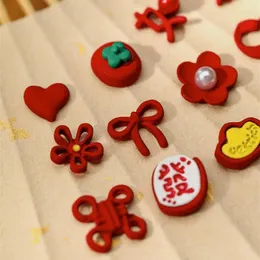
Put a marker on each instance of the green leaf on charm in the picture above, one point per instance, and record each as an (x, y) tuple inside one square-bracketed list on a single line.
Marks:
[(116, 54)]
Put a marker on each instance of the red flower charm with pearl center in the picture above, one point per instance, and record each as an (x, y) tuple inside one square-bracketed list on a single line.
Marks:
[(206, 81), (77, 152)]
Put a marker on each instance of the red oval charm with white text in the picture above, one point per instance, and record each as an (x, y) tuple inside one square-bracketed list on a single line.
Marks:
[(180, 185)]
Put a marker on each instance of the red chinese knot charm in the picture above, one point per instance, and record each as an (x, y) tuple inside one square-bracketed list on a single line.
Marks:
[(180, 185), (111, 218)]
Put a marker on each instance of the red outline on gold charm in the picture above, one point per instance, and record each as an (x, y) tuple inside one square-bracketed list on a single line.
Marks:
[(235, 164)]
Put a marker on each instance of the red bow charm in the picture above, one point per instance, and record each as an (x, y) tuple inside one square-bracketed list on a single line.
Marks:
[(76, 151), (137, 121), (111, 218), (220, 2)]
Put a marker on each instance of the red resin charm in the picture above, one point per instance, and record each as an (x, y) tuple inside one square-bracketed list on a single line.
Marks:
[(77, 152), (165, 12), (111, 218), (243, 28), (168, 7), (122, 76), (136, 121), (46, 103), (226, 77), (239, 144), (180, 185), (221, 2)]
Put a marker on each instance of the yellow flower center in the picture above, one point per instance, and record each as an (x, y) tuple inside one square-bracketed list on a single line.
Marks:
[(76, 148)]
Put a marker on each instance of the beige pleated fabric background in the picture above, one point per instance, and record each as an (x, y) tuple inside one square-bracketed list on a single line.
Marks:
[(56, 45)]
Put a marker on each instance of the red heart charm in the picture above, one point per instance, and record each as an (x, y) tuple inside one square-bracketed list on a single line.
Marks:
[(46, 103), (168, 7)]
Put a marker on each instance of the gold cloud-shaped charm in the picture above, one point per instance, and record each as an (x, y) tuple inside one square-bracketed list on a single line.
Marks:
[(243, 141)]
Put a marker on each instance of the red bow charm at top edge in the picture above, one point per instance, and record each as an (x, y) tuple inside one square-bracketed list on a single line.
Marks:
[(137, 121), (243, 28), (220, 2), (76, 151), (111, 218), (166, 8)]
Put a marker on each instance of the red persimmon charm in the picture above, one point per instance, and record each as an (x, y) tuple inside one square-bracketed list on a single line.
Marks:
[(116, 64)]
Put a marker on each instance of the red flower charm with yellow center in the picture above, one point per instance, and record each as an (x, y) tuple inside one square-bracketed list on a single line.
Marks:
[(77, 152), (206, 81)]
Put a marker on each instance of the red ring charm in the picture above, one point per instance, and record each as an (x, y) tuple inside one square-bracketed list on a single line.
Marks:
[(243, 28)]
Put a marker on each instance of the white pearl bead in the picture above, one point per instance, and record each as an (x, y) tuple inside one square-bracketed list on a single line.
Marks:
[(205, 78)]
